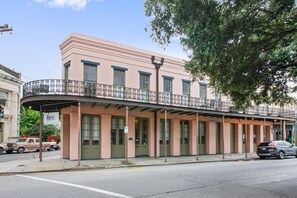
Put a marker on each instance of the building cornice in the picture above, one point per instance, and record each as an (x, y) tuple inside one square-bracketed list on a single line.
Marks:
[(115, 48)]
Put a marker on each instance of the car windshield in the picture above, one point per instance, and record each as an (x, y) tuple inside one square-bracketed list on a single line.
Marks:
[(264, 144), (21, 140)]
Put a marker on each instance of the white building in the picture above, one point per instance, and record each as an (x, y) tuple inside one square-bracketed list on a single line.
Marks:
[(10, 85)]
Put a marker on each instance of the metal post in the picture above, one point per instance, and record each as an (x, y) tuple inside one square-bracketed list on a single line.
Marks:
[(157, 67), (281, 129), (245, 137), (165, 147), (126, 137), (223, 137), (40, 134), (79, 135), (197, 146)]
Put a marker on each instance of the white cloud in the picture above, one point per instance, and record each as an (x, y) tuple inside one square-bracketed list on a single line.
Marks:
[(75, 4)]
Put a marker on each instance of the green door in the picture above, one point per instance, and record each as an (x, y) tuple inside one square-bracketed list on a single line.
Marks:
[(141, 136), (164, 139), (232, 138), (218, 138), (184, 137), (117, 137), (90, 133), (202, 138)]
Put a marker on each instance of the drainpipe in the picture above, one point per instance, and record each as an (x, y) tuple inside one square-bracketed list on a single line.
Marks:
[(79, 135), (157, 67)]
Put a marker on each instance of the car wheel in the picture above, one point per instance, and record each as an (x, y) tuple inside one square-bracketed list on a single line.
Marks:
[(9, 152), (281, 155), (262, 157), (51, 148), (1, 151), (21, 150)]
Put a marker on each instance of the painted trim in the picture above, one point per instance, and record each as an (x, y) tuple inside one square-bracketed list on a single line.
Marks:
[(168, 77), (119, 68), (203, 83), (90, 62), (67, 64), (186, 81), (144, 73)]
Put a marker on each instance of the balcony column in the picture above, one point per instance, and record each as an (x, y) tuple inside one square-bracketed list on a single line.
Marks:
[(157, 67)]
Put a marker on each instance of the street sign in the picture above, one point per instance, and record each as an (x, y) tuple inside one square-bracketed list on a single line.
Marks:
[(126, 129)]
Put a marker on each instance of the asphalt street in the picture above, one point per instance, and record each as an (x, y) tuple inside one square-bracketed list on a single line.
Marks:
[(259, 178), (24, 156)]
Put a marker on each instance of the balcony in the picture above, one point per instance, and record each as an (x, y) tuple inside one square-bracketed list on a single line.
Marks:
[(58, 87)]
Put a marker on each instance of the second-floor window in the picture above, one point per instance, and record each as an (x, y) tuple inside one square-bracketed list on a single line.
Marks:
[(202, 88), (167, 90), (119, 83), (144, 86), (3, 98), (186, 93), (90, 79)]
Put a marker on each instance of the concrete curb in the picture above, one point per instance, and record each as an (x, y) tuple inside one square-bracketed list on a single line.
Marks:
[(123, 166)]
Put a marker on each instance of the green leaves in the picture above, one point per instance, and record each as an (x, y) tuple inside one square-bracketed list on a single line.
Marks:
[(247, 48)]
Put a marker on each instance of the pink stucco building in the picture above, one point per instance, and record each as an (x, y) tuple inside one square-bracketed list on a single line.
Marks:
[(111, 94)]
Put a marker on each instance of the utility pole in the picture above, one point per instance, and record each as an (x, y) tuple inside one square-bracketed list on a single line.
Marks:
[(5, 28)]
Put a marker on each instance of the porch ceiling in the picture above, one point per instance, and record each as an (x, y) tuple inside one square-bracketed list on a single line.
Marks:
[(54, 103)]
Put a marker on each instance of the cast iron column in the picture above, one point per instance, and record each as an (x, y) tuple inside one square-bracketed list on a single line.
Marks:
[(157, 67)]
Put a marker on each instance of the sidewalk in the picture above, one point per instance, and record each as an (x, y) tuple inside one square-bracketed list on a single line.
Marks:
[(55, 163)]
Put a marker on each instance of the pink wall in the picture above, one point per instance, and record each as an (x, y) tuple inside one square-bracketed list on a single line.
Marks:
[(193, 137), (151, 140), (238, 139), (65, 136), (175, 146), (105, 136), (211, 138), (73, 136), (250, 138), (227, 137), (131, 134)]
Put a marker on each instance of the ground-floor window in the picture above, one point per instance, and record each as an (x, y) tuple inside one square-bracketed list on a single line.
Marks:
[(90, 129)]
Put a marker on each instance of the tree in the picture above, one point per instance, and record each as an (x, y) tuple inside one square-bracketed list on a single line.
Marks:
[(247, 48), (47, 130), (29, 118)]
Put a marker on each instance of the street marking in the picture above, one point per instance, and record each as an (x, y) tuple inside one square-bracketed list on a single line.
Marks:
[(77, 186)]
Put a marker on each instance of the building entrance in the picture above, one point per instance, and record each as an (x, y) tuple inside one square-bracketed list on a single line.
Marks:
[(184, 137), (141, 136), (117, 137)]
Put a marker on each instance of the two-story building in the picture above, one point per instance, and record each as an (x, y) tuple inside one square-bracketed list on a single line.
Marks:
[(116, 100), (10, 88)]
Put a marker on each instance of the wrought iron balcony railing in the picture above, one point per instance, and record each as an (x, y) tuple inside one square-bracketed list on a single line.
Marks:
[(117, 92)]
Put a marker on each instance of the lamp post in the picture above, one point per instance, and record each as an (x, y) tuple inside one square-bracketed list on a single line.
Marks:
[(157, 67)]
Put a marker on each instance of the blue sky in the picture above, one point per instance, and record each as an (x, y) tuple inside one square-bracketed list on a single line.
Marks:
[(40, 26)]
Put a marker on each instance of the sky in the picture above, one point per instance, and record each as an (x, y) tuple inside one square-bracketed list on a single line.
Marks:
[(40, 26)]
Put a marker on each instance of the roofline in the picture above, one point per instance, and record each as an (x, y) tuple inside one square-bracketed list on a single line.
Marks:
[(10, 71)]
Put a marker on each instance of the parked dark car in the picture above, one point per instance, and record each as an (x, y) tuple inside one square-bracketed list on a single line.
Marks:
[(278, 149)]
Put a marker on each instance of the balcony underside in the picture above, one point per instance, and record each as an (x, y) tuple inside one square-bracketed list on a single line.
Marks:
[(54, 103)]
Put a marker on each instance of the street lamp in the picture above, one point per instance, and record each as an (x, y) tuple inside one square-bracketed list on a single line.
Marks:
[(157, 67)]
